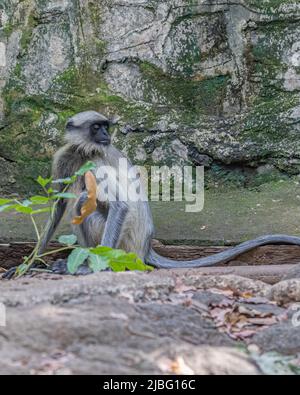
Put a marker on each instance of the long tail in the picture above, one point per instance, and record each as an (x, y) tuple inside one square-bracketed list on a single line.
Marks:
[(223, 257)]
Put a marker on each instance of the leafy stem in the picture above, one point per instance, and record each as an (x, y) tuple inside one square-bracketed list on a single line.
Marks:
[(99, 258), (57, 251)]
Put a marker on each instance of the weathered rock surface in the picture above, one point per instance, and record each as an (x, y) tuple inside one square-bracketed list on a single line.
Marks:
[(204, 81), (293, 273), (134, 323), (286, 291), (100, 323), (283, 338)]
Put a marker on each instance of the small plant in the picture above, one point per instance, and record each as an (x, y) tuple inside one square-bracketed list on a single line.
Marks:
[(99, 258)]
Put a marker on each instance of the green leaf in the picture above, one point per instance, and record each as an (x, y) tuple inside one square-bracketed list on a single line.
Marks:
[(24, 210), (39, 199), (5, 201), (119, 260), (130, 261), (115, 254), (65, 196), (76, 259), (68, 240), (98, 263), (117, 266), (100, 250), (43, 181), (85, 168), (8, 207), (145, 268), (21, 270), (139, 265)]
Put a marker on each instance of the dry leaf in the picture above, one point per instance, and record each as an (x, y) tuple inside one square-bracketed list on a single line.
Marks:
[(257, 300), (180, 367), (241, 321), (246, 295), (90, 205), (224, 303), (263, 321), (243, 334), (225, 292), (251, 312), (180, 287)]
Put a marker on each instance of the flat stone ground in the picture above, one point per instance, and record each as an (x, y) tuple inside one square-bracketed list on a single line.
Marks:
[(181, 322), (228, 217), (139, 323)]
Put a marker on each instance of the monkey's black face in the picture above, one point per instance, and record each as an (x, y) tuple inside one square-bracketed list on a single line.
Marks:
[(99, 133), (89, 132)]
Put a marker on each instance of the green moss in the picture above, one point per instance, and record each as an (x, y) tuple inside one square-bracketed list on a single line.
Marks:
[(95, 16), (222, 177), (81, 88), (18, 70), (266, 55), (269, 5), (189, 96), (75, 90), (262, 179), (187, 51), (28, 31), (266, 124), (8, 29), (263, 131)]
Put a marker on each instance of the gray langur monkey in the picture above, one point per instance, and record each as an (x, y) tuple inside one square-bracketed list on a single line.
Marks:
[(118, 224)]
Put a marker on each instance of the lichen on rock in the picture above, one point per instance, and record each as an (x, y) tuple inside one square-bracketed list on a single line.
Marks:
[(214, 83)]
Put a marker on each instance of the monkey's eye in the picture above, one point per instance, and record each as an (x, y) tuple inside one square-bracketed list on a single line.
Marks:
[(96, 127)]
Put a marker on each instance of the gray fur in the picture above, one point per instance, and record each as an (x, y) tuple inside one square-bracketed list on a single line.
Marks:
[(85, 118), (114, 224), (52, 224)]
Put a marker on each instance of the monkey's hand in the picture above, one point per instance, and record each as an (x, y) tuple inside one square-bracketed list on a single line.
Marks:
[(90, 204), (61, 267)]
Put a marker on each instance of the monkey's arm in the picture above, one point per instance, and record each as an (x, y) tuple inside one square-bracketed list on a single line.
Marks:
[(116, 216), (52, 224)]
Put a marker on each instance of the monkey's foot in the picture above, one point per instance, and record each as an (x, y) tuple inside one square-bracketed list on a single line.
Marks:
[(10, 273), (61, 267), (58, 267)]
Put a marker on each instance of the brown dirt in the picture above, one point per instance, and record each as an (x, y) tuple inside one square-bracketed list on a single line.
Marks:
[(11, 254)]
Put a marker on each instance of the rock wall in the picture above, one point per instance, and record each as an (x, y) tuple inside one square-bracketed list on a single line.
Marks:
[(214, 82)]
